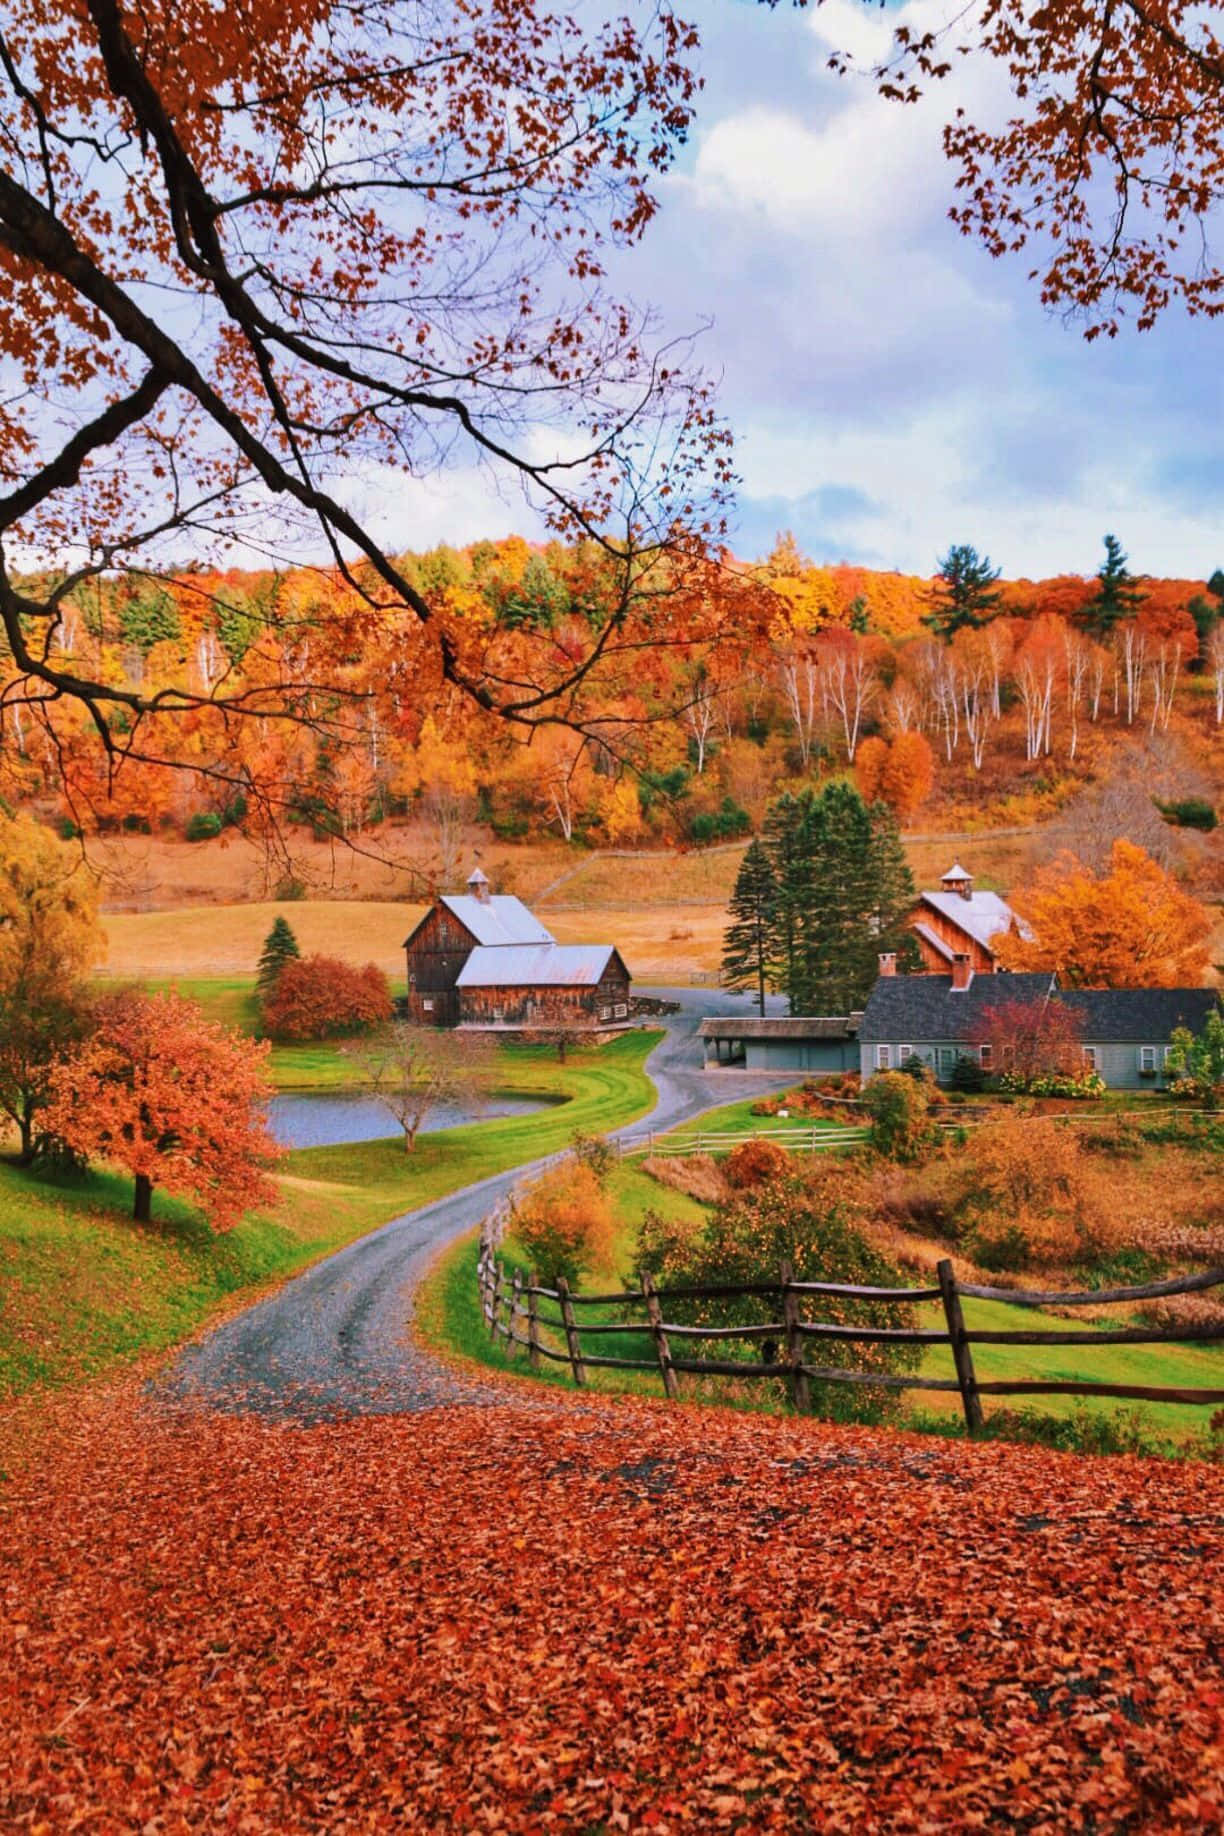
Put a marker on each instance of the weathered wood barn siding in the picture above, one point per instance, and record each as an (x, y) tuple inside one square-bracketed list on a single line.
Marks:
[(604, 1003), (437, 951)]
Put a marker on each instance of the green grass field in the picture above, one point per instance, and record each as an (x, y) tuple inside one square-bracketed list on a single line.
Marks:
[(451, 1317), (83, 1289)]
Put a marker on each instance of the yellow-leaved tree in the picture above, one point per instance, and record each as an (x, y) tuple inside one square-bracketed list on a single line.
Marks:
[(1130, 927), (50, 940)]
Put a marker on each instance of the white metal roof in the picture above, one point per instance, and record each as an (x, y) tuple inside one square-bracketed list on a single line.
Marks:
[(500, 919), (983, 915), (549, 965)]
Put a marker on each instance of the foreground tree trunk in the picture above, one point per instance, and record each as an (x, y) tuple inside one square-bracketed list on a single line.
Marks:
[(142, 1208)]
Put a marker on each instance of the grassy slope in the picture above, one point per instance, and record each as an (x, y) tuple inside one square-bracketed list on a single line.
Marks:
[(451, 1317), (83, 1288)]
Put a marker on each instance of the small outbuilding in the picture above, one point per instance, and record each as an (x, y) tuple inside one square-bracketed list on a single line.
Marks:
[(790, 1043)]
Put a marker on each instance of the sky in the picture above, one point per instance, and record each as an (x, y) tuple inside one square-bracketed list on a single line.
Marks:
[(894, 390)]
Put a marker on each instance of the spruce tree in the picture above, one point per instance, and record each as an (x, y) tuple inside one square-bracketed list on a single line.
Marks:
[(280, 946), (1118, 594), (965, 594), (843, 892), (748, 939)]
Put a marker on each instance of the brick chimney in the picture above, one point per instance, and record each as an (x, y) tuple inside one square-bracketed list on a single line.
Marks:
[(962, 971), (888, 962)]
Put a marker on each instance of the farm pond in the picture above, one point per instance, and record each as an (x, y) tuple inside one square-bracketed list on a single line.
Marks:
[(332, 1118)]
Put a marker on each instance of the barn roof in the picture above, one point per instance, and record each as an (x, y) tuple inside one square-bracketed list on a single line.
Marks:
[(983, 915), (500, 919), (820, 1026), (547, 965)]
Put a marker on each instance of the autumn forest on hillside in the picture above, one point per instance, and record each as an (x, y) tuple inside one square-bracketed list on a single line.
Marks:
[(962, 701)]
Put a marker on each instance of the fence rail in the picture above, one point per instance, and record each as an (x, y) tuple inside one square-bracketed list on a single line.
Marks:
[(512, 1313), (807, 1137)]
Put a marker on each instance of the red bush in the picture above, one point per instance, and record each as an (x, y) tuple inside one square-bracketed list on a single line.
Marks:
[(319, 997)]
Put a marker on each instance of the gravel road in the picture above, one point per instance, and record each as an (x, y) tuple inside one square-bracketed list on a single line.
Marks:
[(336, 1340)]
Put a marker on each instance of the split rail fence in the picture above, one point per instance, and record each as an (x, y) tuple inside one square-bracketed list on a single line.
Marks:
[(521, 1310)]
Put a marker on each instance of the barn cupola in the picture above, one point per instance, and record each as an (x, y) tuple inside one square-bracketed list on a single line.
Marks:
[(956, 880), (478, 886)]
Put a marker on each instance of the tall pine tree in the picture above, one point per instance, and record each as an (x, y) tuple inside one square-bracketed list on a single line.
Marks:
[(748, 939), (843, 892), (1118, 594), (965, 594)]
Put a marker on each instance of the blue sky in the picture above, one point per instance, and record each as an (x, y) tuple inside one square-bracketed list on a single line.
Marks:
[(894, 390)]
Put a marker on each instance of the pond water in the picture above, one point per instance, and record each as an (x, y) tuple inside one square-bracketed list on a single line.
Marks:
[(318, 1118)]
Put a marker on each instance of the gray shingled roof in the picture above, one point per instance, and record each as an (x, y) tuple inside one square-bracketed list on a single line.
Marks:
[(1142, 1015), (921, 1007), (549, 965), (499, 919), (835, 1026)]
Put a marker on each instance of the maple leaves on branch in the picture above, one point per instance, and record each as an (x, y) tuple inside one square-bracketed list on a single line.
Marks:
[(330, 241), (1112, 164)]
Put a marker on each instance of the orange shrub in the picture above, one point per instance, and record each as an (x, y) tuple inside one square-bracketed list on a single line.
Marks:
[(755, 1163), (563, 1222), (319, 997)]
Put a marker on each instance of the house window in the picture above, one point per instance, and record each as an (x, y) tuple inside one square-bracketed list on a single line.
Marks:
[(621, 1009), (1147, 1058), (904, 1052), (427, 1007), (883, 1058), (945, 1057), (605, 1013), (986, 1056), (1090, 1058)]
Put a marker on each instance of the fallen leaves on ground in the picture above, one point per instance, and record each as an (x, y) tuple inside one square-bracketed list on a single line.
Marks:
[(598, 1617)]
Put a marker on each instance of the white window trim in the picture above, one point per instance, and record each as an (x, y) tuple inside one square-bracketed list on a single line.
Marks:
[(904, 1052), (986, 1056), (1090, 1057), (883, 1057), (1147, 1058)]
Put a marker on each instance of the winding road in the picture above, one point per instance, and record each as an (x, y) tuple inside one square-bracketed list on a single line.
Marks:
[(336, 1339)]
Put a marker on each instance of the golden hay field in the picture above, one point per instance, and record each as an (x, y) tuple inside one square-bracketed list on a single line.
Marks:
[(174, 908)]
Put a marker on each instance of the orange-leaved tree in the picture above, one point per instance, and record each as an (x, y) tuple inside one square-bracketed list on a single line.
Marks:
[(1130, 927), (175, 1100), (320, 997)]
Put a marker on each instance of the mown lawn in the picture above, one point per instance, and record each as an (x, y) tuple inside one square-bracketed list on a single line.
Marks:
[(82, 1288)]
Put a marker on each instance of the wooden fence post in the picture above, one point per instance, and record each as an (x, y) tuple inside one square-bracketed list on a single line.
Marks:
[(654, 1313), (800, 1383), (571, 1330), (516, 1301), (495, 1300), (533, 1323), (961, 1354)]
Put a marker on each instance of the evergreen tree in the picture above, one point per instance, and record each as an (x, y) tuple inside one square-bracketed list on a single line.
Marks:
[(748, 939), (1118, 595), (149, 618), (843, 893), (280, 946), (965, 592)]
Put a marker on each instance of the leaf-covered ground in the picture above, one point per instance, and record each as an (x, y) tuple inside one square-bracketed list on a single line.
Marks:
[(601, 1616)]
